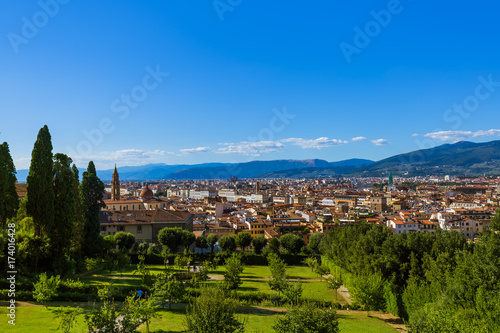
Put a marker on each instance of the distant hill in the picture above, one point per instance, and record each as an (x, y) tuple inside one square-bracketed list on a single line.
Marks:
[(208, 170), (461, 158), (244, 170)]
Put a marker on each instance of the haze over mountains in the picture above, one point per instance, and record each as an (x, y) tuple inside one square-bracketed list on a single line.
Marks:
[(461, 158)]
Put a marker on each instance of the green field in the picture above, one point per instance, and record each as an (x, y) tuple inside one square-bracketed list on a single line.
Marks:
[(254, 279), (257, 319), (31, 319)]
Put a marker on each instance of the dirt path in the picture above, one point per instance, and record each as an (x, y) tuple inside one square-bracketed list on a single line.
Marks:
[(345, 294)]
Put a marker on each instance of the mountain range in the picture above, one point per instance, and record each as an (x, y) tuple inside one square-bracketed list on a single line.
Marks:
[(461, 158)]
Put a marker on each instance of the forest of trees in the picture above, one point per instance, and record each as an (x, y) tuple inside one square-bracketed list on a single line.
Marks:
[(438, 282), (58, 220)]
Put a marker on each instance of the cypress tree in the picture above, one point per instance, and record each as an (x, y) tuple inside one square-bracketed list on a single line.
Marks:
[(40, 191), (9, 201), (91, 193), (77, 239), (64, 204)]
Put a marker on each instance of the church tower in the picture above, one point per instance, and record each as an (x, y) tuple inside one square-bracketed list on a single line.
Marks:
[(115, 186)]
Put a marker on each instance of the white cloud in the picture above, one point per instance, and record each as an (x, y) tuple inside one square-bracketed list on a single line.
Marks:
[(380, 142), (129, 157), (358, 138), (461, 135), (195, 150), (250, 148), (318, 143), (414, 134)]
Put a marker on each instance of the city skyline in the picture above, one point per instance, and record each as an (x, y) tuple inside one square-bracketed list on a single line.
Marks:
[(236, 81)]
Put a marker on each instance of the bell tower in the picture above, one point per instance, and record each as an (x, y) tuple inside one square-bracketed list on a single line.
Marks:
[(115, 186)]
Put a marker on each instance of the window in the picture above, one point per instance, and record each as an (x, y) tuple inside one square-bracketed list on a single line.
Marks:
[(103, 228), (139, 229), (120, 228)]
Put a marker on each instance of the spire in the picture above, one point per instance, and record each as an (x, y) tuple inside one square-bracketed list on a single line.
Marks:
[(115, 186)]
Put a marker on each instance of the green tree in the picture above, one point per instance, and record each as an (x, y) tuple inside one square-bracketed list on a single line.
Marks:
[(124, 241), (182, 262), (170, 289), (144, 272), (65, 196), (315, 241), (311, 262), (243, 240), (293, 292), (212, 240), (79, 225), (187, 238), (46, 288), (292, 243), (212, 312), (228, 243), (201, 242), (67, 316), (9, 201), (274, 246), (258, 243), (234, 268), (91, 193), (142, 310), (278, 281), (40, 192), (171, 239), (307, 319)]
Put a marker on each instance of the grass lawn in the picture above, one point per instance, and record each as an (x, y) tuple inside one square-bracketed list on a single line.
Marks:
[(255, 278), (38, 319), (31, 319)]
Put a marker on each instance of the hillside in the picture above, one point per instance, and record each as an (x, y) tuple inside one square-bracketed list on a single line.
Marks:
[(461, 158)]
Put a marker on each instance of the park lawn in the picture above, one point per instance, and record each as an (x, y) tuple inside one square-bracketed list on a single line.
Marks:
[(317, 290), (39, 319), (361, 323), (31, 319), (261, 320), (262, 272)]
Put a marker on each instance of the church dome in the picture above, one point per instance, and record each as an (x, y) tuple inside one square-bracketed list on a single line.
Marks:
[(146, 192)]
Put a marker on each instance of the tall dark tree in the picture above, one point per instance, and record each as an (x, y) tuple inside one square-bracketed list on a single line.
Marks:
[(9, 201), (91, 193), (40, 191), (77, 239), (64, 204)]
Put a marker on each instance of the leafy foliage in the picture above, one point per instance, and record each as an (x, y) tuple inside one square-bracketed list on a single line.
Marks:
[(243, 240), (234, 268), (212, 312), (292, 243), (40, 193), (228, 243), (211, 240), (91, 193), (46, 288), (9, 201), (258, 243), (307, 319)]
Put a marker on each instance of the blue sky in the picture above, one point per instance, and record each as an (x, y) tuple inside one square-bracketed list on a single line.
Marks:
[(137, 82)]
